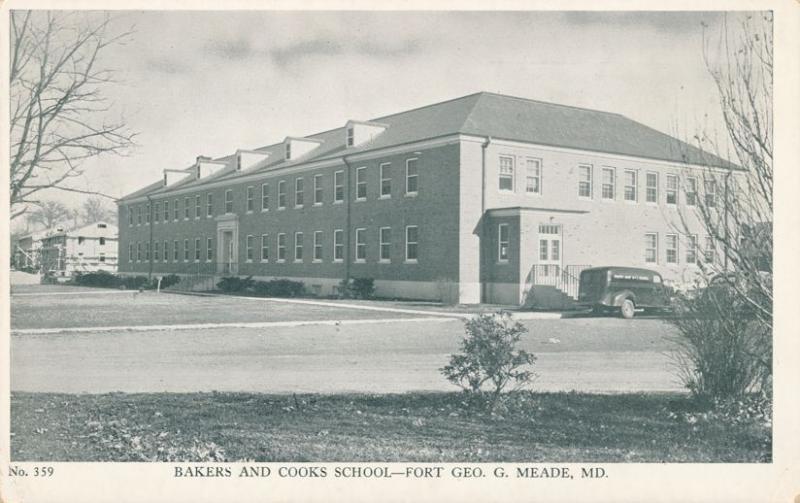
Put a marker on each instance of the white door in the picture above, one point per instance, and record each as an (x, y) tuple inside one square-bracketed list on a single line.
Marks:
[(549, 269)]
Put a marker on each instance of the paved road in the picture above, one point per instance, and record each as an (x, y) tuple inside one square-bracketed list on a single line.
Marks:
[(592, 354)]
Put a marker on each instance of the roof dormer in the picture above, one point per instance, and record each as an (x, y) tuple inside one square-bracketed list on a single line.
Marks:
[(294, 148), (360, 132), (205, 166), (173, 176), (247, 159)]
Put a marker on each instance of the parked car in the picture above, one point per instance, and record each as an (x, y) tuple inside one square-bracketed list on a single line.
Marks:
[(624, 290)]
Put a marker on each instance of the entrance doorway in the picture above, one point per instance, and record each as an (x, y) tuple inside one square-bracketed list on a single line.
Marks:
[(549, 254)]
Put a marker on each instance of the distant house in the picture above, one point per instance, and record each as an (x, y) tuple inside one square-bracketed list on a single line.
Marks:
[(26, 251), (89, 248)]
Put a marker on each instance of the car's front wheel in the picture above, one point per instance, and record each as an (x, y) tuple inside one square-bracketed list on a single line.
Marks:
[(627, 309)]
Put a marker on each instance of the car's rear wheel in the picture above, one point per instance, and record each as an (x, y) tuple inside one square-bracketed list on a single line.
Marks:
[(627, 309)]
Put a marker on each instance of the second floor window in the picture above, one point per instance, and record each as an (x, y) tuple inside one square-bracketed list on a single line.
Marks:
[(711, 193), (264, 196), (691, 191), (176, 212), (166, 211), (609, 183), (386, 179), (298, 192), (197, 206), (672, 189), (229, 201), (585, 181), (411, 177), (631, 186), (361, 183), (506, 180), (533, 176), (651, 187), (250, 197), (281, 194), (338, 187), (209, 205), (317, 189), (186, 208)]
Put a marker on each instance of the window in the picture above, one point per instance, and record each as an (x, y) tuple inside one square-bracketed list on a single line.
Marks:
[(338, 187), (157, 215), (209, 249), (176, 212), (281, 195), (166, 211), (672, 189), (711, 193), (264, 196), (338, 245), (317, 189), (249, 243), (139, 215), (651, 248), (298, 192), (651, 187), (361, 245), (502, 243), (281, 247), (250, 198), (147, 214), (229, 201), (102, 241), (386, 180), (350, 137), (157, 251), (288, 151), (585, 180), (186, 209), (138, 251), (166, 251), (411, 177), (317, 246), (298, 246), (197, 249), (709, 254), (691, 249), (147, 251), (608, 188), (81, 239), (175, 251), (361, 183), (197, 206), (533, 176), (691, 191), (130, 215), (264, 247), (185, 250), (385, 243), (102, 257), (412, 240), (631, 186), (209, 205), (671, 247), (130, 252), (506, 180)]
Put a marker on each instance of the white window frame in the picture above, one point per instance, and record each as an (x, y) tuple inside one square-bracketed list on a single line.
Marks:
[(350, 138), (415, 176), (360, 243), (317, 254), (691, 250), (537, 176), (186, 253), (165, 257), (647, 248), (209, 205), (381, 169), (590, 181), (249, 248), (338, 184), (176, 251), (361, 182), (282, 195), (298, 246), (281, 247), (197, 205), (603, 184), (299, 192), (318, 191), (209, 249), (265, 196), (671, 191), (228, 201), (264, 248), (710, 196), (634, 187), (501, 242), (691, 195), (176, 210), (157, 212), (667, 249), (130, 252), (384, 245), (197, 252), (338, 244), (648, 187), (250, 198), (165, 216), (503, 176), (416, 243)]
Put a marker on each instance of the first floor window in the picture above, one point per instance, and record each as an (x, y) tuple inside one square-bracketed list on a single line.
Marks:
[(630, 186), (651, 187), (411, 177), (249, 243), (298, 246), (185, 250), (209, 249), (264, 247), (130, 252), (710, 250), (166, 251), (412, 242), (672, 189), (338, 245), (385, 241), (197, 249), (502, 243), (229, 201), (361, 245), (138, 252), (651, 248), (533, 180), (250, 194), (585, 180), (157, 251), (609, 183), (386, 179), (671, 247), (506, 179), (338, 186), (175, 251), (147, 251), (691, 249), (318, 246), (281, 247)]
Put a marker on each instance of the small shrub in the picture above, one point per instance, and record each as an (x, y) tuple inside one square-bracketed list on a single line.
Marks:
[(235, 284), (169, 280), (490, 360), (278, 288), (357, 288), (101, 279)]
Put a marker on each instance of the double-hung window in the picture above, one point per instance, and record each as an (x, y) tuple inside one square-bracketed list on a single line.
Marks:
[(671, 247), (147, 251), (250, 197), (651, 187), (691, 249), (130, 252), (317, 246), (130, 215), (361, 183), (229, 201), (157, 251), (317, 189), (631, 186), (139, 215), (185, 250), (385, 244), (147, 214), (138, 251), (298, 192), (709, 254), (197, 210), (386, 180), (166, 211), (585, 180), (176, 212), (157, 213), (502, 243), (609, 182), (506, 178), (361, 245), (250, 242), (651, 248), (338, 245), (265, 247), (338, 186), (281, 247), (197, 251), (187, 210), (533, 176), (209, 249), (209, 205), (264, 197), (412, 184), (672, 189), (691, 191), (176, 252), (281, 194), (166, 251), (412, 243), (298, 246), (711, 193)]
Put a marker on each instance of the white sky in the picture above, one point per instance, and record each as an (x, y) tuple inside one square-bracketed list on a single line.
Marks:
[(211, 82)]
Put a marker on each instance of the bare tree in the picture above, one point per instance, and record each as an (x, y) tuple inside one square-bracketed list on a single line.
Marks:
[(733, 204), (49, 214), (95, 209), (58, 114)]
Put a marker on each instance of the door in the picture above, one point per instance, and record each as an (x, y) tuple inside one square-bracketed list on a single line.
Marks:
[(228, 263), (549, 270)]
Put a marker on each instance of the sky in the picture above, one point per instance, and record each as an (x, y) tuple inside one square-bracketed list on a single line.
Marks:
[(206, 83)]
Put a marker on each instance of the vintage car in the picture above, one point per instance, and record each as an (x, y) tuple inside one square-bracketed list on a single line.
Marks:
[(625, 290)]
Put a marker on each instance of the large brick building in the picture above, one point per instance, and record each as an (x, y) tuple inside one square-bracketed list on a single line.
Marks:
[(481, 198)]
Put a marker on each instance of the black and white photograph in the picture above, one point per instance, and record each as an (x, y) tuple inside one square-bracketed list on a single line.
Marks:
[(273, 247)]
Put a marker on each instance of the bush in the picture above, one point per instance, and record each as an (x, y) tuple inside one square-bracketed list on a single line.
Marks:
[(133, 282), (169, 280), (278, 288), (357, 288), (235, 284), (100, 279), (723, 351), (490, 357)]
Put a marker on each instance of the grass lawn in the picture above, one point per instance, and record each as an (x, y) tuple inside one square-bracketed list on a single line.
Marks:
[(422, 427)]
